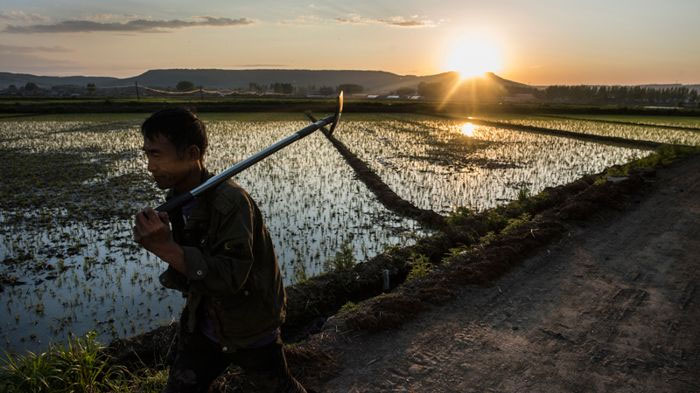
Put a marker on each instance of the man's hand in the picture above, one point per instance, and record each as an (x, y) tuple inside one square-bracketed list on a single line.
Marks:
[(152, 232)]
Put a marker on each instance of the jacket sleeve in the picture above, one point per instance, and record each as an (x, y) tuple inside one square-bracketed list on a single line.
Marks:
[(224, 268)]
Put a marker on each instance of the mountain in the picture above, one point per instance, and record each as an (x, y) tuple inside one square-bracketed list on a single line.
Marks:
[(372, 81)]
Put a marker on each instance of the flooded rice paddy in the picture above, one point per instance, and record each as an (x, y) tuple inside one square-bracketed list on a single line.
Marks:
[(445, 164), (670, 121), (678, 136), (71, 184)]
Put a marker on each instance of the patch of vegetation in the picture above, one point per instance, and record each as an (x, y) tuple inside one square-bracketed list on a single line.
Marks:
[(80, 365), (523, 194), (663, 156), (460, 214), (487, 239), (420, 266), (300, 275), (348, 307), (492, 219), (455, 251), (515, 223), (344, 260)]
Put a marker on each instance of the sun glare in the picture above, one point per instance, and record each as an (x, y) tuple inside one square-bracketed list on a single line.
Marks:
[(468, 129), (473, 56)]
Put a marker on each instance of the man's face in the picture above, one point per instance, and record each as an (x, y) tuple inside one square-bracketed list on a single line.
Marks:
[(166, 166)]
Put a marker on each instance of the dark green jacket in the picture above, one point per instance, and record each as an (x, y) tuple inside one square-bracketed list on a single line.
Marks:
[(231, 268)]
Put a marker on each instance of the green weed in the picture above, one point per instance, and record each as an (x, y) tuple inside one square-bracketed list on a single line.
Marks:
[(420, 266), (343, 260), (349, 307), (515, 223), (523, 194), (300, 274), (459, 215)]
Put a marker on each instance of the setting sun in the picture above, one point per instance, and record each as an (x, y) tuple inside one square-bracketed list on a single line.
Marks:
[(473, 56)]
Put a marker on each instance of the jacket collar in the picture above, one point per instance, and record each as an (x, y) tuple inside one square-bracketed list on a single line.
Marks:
[(205, 176)]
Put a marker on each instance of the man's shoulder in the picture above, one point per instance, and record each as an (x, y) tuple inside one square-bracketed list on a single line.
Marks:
[(228, 196)]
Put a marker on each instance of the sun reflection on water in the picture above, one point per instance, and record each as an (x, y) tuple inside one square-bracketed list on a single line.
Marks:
[(468, 129)]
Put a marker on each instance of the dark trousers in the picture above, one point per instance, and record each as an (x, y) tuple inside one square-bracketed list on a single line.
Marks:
[(199, 361)]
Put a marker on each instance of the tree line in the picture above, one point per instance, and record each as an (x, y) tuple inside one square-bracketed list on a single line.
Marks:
[(581, 94), (635, 95), (288, 88)]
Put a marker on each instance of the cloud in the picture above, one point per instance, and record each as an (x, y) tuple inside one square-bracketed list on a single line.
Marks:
[(407, 22), (21, 16), (108, 17), (356, 19), (137, 25), (14, 49), (397, 21)]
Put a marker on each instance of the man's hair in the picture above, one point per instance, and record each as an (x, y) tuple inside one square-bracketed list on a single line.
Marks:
[(182, 127)]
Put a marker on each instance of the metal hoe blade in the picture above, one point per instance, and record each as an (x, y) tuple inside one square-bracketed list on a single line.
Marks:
[(338, 111)]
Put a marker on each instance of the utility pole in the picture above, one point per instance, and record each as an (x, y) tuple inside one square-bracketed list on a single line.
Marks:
[(136, 84)]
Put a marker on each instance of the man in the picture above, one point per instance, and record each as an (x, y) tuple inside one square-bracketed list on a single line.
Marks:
[(220, 256)]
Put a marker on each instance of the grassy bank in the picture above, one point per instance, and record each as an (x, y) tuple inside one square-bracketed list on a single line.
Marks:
[(80, 365)]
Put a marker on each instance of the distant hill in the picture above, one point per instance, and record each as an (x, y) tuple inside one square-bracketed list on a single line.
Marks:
[(372, 81), (9, 78)]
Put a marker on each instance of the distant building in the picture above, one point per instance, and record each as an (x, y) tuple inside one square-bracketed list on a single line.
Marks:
[(67, 91), (519, 97)]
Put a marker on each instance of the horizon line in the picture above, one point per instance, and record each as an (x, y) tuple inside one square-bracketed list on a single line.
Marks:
[(349, 70)]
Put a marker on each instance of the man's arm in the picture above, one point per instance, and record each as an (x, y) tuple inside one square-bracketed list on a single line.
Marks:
[(218, 269)]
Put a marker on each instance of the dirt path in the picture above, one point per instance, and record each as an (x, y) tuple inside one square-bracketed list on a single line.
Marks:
[(615, 306)]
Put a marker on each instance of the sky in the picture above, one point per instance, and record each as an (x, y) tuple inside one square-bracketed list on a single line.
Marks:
[(540, 42)]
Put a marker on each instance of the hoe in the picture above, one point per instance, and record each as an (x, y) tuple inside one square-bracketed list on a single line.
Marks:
[(242, 165)]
